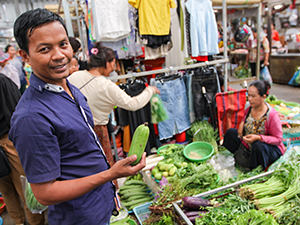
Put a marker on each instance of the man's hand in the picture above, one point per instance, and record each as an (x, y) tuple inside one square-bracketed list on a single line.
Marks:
[(250, 138), (122, 168)]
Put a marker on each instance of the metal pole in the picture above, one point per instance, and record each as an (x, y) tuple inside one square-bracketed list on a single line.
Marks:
[(67, 18), (224, 15), (166, 70), (258, 40)]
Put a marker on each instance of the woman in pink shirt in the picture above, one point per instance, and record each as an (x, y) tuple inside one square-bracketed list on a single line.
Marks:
[(258, 141)]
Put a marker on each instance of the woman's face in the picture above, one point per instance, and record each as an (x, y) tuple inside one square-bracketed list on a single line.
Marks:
[(12, 51), (254, 98), (110, 66)]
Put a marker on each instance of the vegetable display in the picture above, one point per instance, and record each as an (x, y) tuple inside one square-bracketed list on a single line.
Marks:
[(203, 131), (134, 193), (139, 141), (279, 195), (229, 207), (254, 217)]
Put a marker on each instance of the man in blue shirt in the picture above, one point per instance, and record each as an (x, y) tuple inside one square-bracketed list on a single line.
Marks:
[(52, 130)]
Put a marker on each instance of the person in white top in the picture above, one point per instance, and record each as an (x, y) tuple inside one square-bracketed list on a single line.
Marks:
[(103, 95)]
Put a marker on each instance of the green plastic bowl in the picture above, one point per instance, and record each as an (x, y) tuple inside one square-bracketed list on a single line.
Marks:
[(198, 151)]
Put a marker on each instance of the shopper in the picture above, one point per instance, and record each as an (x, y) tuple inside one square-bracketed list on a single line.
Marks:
[(252, 52), (103, 94), (77, 52), (260, 134), (51, 129), (17, 62), (8, 69), (10, 186)]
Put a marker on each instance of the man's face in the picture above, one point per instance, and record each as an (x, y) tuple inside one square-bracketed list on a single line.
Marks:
[(50, 52)]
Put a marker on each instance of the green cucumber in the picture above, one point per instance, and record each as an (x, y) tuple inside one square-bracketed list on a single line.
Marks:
[(138, 143)]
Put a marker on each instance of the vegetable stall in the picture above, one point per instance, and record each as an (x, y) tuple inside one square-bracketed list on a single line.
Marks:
[(175, 189)]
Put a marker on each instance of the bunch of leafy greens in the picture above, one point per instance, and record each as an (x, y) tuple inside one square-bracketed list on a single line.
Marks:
[(223, 214), (254, 217), (203, 131), (195, 179)]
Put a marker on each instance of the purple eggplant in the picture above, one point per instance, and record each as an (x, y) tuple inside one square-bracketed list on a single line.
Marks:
[(193, 218), (194, 213), (194, 203)]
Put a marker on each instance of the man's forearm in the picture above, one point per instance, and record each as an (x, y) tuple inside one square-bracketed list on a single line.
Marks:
[(60, 191)]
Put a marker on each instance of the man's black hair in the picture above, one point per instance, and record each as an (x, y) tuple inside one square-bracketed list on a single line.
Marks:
[(28, 21)]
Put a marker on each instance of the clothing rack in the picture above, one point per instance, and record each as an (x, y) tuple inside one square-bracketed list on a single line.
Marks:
[(171, 69)]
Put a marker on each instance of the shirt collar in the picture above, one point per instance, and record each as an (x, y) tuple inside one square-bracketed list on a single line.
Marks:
[(41, 85)]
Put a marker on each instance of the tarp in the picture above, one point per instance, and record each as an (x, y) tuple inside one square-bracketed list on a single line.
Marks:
[(236, 2)]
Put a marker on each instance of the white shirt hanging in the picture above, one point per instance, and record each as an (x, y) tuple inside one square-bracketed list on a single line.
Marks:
[(112, 19)]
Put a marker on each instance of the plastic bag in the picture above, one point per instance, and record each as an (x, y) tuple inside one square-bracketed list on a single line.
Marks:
[(33, 205), (158, 112), (295, 81), (265, 75)]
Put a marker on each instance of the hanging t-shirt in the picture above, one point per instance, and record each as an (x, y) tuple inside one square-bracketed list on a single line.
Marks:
[(203, 28), (112, 19), (154, 16)]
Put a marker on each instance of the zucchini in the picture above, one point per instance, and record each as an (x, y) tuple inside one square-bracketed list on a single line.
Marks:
[(138, 143), (129, 194), (135, 197), (129, 187), (135, 182), (138, 201)]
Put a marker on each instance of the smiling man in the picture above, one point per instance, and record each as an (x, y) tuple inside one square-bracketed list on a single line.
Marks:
[(51, 129)]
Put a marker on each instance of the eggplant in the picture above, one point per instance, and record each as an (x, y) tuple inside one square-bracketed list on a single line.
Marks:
[(193, 218), (194, 203), (194, 213)]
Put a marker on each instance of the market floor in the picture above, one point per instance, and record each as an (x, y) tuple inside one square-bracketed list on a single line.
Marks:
[(281, 91)]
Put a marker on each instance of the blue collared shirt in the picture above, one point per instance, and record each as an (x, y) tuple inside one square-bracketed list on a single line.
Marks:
[(55, 142)]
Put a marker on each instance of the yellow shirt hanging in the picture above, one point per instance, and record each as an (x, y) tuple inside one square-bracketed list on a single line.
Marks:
[(154, 16)]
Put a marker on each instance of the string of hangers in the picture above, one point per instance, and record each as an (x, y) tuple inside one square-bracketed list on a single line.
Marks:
[(171, 69)]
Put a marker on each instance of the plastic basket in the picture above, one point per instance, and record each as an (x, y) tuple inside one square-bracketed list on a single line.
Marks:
[(200, 148), (142, 212)]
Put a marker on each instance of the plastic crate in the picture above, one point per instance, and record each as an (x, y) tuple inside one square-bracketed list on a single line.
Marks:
[(142, 212)]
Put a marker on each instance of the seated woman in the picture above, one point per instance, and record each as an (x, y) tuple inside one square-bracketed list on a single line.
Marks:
[(258, 141)]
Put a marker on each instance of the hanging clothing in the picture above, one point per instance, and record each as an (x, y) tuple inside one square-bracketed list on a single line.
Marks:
[(203, 28), (176, 55), (112, 19), (204, 77), (127, 47), (154, 16), (162, 51), (174, 97), (135, 118)]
